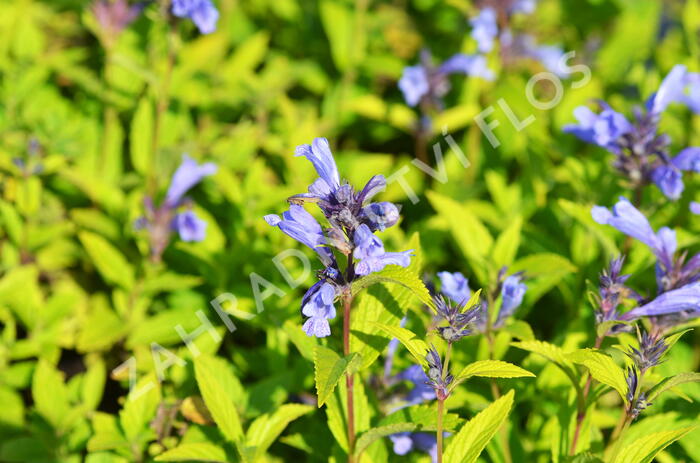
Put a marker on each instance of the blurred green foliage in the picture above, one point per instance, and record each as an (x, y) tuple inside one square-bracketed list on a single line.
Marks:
[(79, 296)]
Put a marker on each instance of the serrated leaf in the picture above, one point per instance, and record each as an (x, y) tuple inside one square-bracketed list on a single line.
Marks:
[(329, 367), (602, 368), (520, 329), (417, 347), (194, 452), (552, 353), (492, 369), (141, 136), (645, 449), (110, 263), (369, 437), (215, 397), (671, 382), (267, 428), (396, 275), (603, 328), (423, 416), (470, 441)]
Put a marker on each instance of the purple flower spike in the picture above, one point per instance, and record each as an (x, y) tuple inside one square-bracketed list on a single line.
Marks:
[(186, 176), (203, 13), (319, 308), (367, 244), (484, 29), (471, 65), (669, 180), (455, 286), (190, 227)]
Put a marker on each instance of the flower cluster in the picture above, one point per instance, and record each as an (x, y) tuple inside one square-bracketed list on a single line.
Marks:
[(678, 282), (175, 213), (486, 30), (438, 377), (456, 287), (427, 84), (641, 152), (652, 347), (202, 13), (353, 219)]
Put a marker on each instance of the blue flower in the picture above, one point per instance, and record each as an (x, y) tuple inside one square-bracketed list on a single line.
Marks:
[(684, 299), (189, 226), (694, 207), (414, 84), (421, 391), (627, 219), (369, 249), (318, 306), (186, 176), (512, 292), (679, 86), (484, 29), (669, 177), (404, 442), (427, 81), (523, 6), (381, 216), (303, 227), (455, 286), (203, 13), (319, 153), (602, 129), (551, 58)]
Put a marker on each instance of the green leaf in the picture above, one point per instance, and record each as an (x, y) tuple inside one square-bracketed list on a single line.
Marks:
[(507, 244), (140, 408), (141, 136), (671, 382), (492, 369), (467, 445), (424, 417), (417, 347), (552, 353), (519, 329), (603, 328), (111, 264), (472, 237), (345, 40), (602, 368), (329, 367), (397, 275), (645, 449), (267, 428), (217, 400), (50, 394), (194, 451), (369, 437)]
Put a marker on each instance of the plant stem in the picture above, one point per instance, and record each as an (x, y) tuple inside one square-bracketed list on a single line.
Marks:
[(581, 412), (162, 106), (349, 378), (440, 410)]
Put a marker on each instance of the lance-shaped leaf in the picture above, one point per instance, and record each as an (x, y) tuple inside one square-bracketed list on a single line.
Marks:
[(602, 368), (671, 382), (405, 277), (554, 354), (470, 441), (644, 450), (417, 347), (491, 369), (267, 428), (194, 452), (329, 367), (424, 417), (217, 400), (369, 437)]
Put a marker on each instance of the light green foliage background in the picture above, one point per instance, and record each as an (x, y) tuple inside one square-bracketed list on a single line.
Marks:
[(79, 296)]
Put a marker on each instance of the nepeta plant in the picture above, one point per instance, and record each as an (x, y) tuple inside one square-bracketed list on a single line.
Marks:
[(352, 221), (642, 153), (175, 212)]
